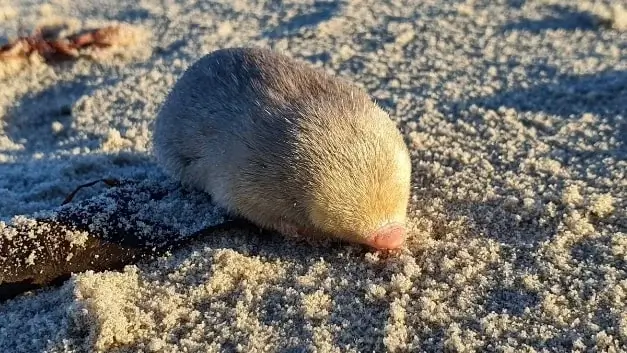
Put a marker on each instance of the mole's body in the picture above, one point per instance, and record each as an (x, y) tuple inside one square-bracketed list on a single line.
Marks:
[(287, 147)]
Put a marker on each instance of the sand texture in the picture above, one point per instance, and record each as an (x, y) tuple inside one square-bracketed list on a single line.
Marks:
[(515, 114)]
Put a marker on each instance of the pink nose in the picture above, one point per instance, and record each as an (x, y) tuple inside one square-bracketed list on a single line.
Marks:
[(390, 236)]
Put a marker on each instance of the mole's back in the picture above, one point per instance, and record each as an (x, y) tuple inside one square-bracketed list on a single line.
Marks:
[(239, 102)]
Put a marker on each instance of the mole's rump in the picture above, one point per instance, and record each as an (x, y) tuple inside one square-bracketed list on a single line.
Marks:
[(287, 146)]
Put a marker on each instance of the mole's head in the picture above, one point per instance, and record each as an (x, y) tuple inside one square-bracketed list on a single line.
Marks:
[(361, 183)]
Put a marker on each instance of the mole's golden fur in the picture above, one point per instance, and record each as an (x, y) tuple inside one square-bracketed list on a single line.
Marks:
[(286, 146)]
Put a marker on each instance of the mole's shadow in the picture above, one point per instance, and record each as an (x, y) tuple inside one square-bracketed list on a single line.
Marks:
[(320, 11), (34, 120), (562, 18)]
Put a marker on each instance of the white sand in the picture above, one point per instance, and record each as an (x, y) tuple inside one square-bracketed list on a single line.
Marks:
[(516, 115)]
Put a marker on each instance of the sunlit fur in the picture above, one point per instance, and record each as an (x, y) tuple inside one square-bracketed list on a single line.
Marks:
[(360, 170), (283, 144)]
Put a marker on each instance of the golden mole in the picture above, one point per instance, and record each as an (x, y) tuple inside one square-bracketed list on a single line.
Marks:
[(286, 146)]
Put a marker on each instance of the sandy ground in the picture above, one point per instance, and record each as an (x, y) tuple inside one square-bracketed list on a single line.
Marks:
[(515, 113)]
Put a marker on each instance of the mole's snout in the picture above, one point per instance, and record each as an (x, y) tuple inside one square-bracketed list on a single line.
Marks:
[(390, 236)]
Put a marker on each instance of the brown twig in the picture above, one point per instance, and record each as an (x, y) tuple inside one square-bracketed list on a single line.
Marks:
[(52, 50), (108, 182)]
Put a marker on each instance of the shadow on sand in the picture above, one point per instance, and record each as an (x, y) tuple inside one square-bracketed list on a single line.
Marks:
[(320, 11), (562, 18), (43, 121)]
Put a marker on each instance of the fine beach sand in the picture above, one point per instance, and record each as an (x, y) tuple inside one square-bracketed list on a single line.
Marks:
[(515, 114)]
